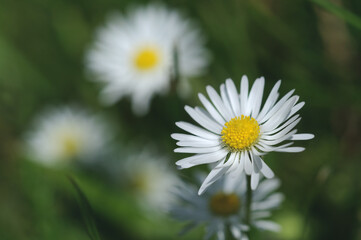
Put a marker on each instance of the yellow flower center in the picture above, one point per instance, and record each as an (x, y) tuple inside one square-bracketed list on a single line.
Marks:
[(147, 58), (139, 183), (240, 133), (70, 146), (223, 204)]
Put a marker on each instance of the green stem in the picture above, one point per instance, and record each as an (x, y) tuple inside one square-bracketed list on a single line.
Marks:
[(176, 75), (248, 202)]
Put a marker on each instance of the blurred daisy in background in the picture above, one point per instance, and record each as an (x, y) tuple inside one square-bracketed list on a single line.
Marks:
[(224, 206), (151, 180), (235, 131), (135, 55), (67, 133)]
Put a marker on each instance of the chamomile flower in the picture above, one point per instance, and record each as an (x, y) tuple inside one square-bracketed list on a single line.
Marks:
[(134, 55), (236, 132), (151, 180), (224, 206), (67, 133)]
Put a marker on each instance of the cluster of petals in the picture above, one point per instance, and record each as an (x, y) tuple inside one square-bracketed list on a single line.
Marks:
[(277, 119), (195, 209), (160, 34), (67, 133)]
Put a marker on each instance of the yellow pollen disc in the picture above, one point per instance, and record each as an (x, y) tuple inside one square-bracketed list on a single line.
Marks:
[(139, 183), (224, 204), (146, 59), (240, 133), (70, 146)]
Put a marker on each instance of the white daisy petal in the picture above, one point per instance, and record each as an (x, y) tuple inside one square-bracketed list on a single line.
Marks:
[(247, 163), (268, 225), (271, 202), (221, 235), (260, 213), (265, 148), (296, 108), (187, 137), (235, 162), (226, 100), (265, 188), (199, 144), (255, 98), (218, 103), (265, 170), (213, 176), (279, 116), (197, 150), (196, 131), (201, 159), (256, 168), (256, 152), (254, 180), (203, 120), (289, 121), (244, 94), (241, 164), (272, 98), (276, 107), (302, 136), (233, 173), (233, 97), (257, 162), (280, 139), (290, 149), (212, 111), (236, 232), (281, 133)]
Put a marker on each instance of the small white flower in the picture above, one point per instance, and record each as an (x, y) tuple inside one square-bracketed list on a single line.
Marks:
[(236, 131), (224, 206), (134, 54), (151, 180), (67, 133)]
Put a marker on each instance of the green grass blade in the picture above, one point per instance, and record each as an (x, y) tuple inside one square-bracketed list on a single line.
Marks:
[(340, 12), (86, 210)]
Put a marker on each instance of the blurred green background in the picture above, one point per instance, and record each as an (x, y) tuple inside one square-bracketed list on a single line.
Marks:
[(42, 45)]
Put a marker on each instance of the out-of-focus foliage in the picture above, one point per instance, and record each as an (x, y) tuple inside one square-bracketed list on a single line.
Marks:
[(42, 46)]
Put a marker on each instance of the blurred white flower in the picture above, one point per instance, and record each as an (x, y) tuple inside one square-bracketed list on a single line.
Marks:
[(67, 133), (223, 207), (133, 55), (236, 132), (151, 180)]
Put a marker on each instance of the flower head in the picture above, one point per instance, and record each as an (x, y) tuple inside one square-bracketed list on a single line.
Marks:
[(134, 54), (67, 133), (224, 206), (151, 180), (236, 131)]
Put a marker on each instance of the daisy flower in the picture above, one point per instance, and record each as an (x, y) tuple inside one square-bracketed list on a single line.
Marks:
[(236, 132), (223, 207), (134, 55), (151, 180), (67, 133)]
